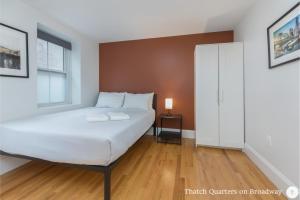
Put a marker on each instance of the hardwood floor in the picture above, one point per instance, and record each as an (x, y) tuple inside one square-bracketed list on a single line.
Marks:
[(149, 171)]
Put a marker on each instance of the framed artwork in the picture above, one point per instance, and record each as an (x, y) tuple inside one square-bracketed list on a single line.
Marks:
[(284, 38), (13, 52)]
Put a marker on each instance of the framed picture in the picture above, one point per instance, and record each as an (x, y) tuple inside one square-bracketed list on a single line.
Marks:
[(284, 38), (13, 52)]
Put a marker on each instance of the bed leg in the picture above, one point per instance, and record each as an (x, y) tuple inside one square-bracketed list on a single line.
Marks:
[(107, 176), (154, 130)]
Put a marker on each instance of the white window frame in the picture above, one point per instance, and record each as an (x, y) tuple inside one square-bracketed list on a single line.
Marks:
[(66, 72)]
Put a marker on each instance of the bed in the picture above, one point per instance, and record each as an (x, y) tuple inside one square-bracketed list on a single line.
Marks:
[(68, 138)]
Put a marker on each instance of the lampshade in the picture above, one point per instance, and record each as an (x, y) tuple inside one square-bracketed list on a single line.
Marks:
[(168, 103)]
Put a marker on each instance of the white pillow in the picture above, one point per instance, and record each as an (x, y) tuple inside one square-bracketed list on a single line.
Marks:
[(110, 100), (143, 101)]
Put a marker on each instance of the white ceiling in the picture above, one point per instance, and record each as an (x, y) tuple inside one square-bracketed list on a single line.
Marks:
[(116, 20)]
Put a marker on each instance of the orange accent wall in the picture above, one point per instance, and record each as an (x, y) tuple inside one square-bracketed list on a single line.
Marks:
[(163, 65)]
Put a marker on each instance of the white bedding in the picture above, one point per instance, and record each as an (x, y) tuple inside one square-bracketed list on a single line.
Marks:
[(68, 137)]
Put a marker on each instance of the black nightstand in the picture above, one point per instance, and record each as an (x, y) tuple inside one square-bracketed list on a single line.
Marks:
[(173, 137)]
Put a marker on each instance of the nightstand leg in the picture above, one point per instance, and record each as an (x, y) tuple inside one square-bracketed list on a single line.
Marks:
[(161, 124), (180, 130), (157, 134)]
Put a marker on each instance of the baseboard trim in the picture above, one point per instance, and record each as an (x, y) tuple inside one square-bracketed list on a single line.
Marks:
[(10, 163), (190, 134), (276, 176)]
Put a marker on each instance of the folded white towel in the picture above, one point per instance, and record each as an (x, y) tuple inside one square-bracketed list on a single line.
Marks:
[(97, 117), (118, 116)]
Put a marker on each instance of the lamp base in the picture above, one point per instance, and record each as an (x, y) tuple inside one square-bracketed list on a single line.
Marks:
[(169, 112)]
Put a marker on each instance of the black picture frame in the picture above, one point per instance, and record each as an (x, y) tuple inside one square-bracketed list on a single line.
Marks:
[(26, 49), (269, 42)]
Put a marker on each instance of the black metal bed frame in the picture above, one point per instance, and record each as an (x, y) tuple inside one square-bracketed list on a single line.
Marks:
[(106, 170)]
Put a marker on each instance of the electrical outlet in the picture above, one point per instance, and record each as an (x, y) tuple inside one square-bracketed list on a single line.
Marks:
[(269, 140)]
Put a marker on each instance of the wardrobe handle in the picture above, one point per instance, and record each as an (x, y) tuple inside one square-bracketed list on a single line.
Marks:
[(218, 97), (221, 96)]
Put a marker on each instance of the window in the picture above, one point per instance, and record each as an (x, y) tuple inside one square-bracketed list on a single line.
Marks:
[(54, 70)]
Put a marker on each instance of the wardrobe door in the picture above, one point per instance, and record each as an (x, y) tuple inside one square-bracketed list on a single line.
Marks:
[(231, 96), (206, 95)]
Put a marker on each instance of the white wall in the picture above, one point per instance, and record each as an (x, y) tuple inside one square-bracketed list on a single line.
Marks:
[(271, 97), (18, 96)]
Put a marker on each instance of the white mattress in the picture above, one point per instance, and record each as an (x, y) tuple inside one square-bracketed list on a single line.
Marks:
[(68, 138)]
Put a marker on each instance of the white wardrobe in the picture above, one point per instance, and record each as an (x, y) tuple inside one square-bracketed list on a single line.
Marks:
[(219, 95)]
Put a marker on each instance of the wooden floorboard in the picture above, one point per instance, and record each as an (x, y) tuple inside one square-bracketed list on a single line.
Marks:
[(149, 171)]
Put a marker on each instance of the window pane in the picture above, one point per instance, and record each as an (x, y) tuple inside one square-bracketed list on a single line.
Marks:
[(57, 88), (41, 53), (55, 57), (43, 87)]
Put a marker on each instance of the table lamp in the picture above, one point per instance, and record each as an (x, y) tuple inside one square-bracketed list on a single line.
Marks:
[(169, 105)]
